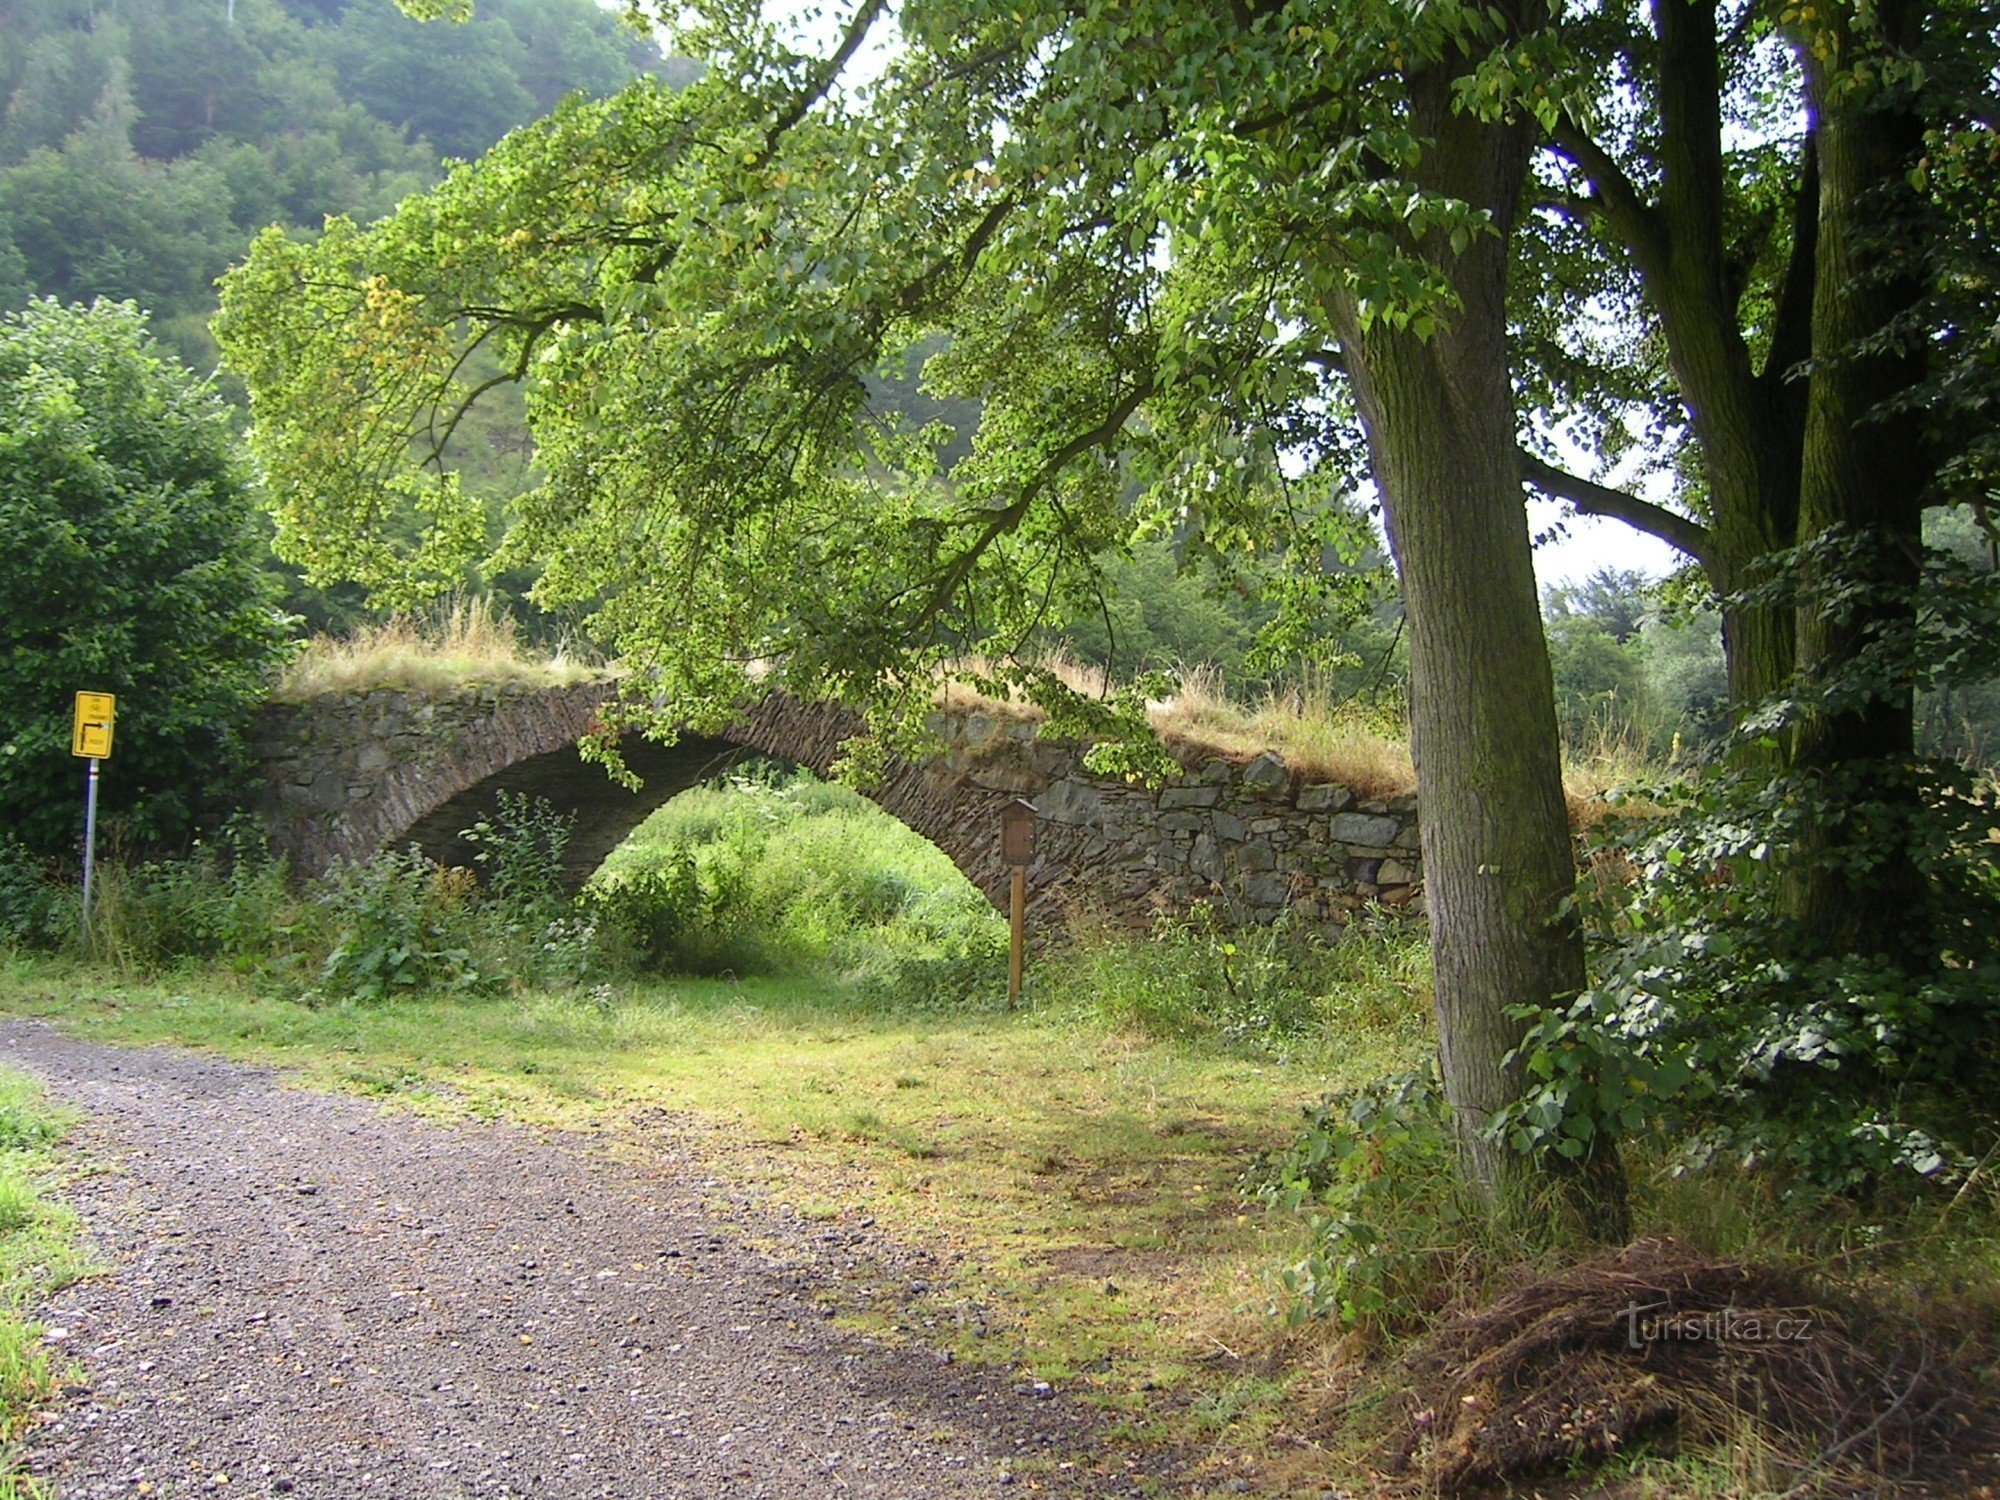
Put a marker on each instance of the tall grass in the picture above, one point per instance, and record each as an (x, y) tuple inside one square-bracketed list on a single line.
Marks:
[(1363, 746), (40, 1253), (788, 874), (468, 641)]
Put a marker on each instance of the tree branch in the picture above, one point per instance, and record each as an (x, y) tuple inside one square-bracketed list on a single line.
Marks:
[(1791, 321), (1595, 499), (1016, 511), (1622, 205)]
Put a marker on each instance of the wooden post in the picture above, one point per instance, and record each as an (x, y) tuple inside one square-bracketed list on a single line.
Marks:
[(1017, 847), (1017, 921)]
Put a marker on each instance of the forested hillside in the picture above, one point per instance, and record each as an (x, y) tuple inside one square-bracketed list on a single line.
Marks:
[(143, 142)]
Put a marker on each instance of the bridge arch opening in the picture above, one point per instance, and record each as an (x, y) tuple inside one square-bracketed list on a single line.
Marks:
[(604, 812)]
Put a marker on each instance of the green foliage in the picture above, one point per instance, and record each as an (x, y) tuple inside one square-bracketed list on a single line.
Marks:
[(402, 930), (225, 899), (673, 916), (1386, 1219), (1715, 1017), (737, 272), (132, 569), (521, 846), (139, 152), (30, 909), (1259, 990), (776, 872)]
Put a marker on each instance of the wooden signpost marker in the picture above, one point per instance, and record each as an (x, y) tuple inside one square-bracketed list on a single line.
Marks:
[(1017, 847), (90, 739)]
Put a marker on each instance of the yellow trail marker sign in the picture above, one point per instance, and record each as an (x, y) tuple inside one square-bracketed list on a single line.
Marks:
[(91, 738)]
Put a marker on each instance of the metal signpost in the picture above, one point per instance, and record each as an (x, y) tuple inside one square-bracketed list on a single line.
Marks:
[(1017, 847), (90, 739)]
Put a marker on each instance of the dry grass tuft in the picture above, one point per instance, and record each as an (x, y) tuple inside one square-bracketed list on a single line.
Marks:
[(1081, 678), (1323, 738), (466, 642), (1654, 1341), (1363, 747)]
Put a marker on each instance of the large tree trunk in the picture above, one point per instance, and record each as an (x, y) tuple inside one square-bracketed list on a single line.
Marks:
[(1439, 415), (1863, 476), (1746, 421)]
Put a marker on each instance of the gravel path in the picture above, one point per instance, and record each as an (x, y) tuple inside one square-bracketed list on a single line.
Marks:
[(309, 1295)]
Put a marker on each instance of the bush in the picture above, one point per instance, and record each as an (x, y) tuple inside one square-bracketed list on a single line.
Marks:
[(1716, 1019), (1387, 1225), (226, 899), (31, 912), (404, 927), (133, 567), (671, 916), (521, 846)]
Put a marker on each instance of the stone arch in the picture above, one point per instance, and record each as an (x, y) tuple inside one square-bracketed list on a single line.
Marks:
[(347, 775)]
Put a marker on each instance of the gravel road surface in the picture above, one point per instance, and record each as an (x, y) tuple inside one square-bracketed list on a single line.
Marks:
[(309, 1295)]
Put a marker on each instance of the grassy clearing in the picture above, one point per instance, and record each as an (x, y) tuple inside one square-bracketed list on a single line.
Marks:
[(39, 1254), (466, 643)]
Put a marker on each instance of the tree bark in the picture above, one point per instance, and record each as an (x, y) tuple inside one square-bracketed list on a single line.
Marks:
[(1863, 476), (1439, 417)]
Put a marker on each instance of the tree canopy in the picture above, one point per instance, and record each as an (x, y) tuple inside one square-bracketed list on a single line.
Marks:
[(133, 568)]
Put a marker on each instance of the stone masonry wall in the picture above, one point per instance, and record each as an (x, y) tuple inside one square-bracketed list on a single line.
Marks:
[(348, 775)]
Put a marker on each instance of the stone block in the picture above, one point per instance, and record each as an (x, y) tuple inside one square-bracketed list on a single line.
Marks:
[(1323, 796), (1267, 888), (1181, 822), (1362, 828), (1256, 857), (1228, 827), (1394, 872), (1265, 774), (1071, 802)]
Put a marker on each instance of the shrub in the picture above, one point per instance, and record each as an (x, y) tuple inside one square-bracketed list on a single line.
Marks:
[(521, 846), (1387, 1225), (31, 913), (403, 925), (669, 915), (1717, 1019)]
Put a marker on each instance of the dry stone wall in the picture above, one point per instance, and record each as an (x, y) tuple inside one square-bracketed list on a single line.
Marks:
[(350, 774)]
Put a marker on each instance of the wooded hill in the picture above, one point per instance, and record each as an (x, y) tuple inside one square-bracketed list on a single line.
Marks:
[(143, 142)]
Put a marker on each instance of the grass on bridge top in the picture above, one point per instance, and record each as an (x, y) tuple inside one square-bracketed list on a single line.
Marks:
[(468, 642), (471, 643)]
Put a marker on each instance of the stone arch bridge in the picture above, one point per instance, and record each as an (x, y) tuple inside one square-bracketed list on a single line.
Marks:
[(346, 775)]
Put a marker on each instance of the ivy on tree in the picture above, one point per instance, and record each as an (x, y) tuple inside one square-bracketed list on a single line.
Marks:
[(132, 568)]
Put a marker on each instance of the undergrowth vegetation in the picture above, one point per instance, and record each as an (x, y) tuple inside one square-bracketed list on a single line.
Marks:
[(774, 950), (39, 1254)]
